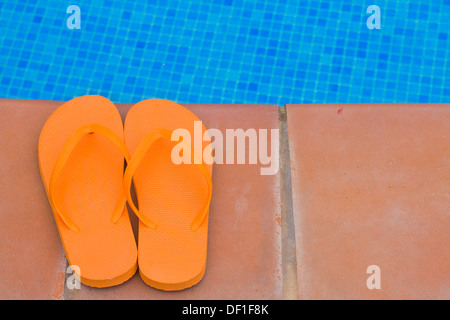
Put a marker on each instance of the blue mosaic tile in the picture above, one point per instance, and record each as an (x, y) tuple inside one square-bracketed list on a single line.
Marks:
[(227, 51)]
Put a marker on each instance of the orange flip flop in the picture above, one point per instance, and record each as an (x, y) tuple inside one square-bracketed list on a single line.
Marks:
[(173, 198), (81, 160)]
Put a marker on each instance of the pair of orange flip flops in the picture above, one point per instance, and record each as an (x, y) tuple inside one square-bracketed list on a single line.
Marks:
[(82, 148)]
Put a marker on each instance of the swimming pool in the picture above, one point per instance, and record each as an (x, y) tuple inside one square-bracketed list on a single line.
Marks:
[(227, 51)]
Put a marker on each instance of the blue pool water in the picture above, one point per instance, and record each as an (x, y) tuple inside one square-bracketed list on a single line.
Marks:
[(227, 51)]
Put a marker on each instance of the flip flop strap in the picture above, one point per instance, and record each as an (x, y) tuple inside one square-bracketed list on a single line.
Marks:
[(64, 155), (137, 158)]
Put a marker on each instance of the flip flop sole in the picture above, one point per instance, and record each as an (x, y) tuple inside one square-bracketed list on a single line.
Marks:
[(171, 256), (87, 191)]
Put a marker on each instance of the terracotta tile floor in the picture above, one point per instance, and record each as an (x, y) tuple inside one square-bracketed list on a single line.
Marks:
[(244, 260), (370, 186)]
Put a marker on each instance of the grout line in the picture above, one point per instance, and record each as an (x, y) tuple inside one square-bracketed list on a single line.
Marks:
[(288, 247)]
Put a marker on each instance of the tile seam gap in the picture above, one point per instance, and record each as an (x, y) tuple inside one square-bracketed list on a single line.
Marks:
[(288, 245)]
